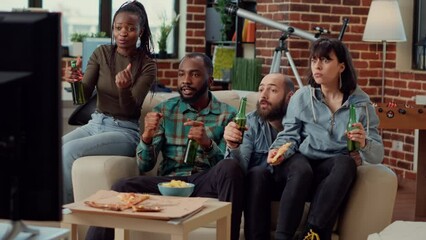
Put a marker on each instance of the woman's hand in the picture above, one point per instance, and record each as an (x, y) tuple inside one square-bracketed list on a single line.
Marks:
[(358, 134), (356, 156), (123, 79), (73, 74)]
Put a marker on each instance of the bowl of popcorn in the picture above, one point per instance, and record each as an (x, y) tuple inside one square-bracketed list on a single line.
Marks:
[(176, 188)]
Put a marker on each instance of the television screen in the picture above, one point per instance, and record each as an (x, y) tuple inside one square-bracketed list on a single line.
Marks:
[(30, 129)]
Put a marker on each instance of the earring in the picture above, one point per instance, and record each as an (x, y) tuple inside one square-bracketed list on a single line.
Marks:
[(340, 81)]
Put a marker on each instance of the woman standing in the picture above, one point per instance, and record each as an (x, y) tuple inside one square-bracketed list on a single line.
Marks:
[(315, 125), (122, 74)]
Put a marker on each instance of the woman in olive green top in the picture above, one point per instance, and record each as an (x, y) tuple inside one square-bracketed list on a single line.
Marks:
[(122, 74)]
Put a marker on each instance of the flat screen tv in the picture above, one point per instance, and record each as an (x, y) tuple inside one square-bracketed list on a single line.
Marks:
[(30, 126)]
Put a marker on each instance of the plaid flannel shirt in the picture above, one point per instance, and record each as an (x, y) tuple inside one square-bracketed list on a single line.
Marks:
[(172, 136)]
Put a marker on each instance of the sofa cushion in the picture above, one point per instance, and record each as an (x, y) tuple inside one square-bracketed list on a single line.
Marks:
[(230, 97)]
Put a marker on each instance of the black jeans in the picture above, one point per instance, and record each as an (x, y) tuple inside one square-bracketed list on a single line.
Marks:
[(324, 182), (333, 179), (224, 181), (290, 184)]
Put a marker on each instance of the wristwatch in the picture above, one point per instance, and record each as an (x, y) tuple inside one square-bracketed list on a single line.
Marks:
[(209, 148)]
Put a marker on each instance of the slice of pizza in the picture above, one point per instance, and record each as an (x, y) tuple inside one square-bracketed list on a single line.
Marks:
[(281, 151), (127, 200), (106, 206), (132, 198), (142, 208)]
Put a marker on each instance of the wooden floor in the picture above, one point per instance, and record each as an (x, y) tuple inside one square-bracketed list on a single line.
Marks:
[(405, 202)]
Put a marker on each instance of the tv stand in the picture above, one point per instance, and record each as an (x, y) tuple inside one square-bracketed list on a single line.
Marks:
[(18, 227)]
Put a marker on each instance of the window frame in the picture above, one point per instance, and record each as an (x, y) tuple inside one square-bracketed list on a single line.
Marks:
[(105, 16)]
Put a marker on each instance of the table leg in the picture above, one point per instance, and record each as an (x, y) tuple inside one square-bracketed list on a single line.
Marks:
[(73, 230), (121, 234), (223, 228), (421, 177), (183, 236)]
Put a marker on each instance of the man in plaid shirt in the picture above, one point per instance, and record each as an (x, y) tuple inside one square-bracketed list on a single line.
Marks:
[(196, 115)]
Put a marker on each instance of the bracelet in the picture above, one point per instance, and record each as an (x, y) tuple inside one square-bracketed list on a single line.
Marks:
[(209, 148)]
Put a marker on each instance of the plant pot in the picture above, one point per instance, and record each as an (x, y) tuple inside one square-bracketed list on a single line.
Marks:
[(76, 49), (162, 54)]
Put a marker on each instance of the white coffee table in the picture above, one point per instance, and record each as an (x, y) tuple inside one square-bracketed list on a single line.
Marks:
[(213, 211)]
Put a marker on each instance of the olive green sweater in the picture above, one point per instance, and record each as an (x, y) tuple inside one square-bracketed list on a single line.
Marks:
[(123, 104)]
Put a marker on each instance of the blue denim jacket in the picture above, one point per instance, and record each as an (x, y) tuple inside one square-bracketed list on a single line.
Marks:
[(256, 142), (318, 133)]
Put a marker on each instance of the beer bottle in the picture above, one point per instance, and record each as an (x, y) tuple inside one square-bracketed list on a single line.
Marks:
[(190, 152), (240, 118), (77, 88), (352, 145)]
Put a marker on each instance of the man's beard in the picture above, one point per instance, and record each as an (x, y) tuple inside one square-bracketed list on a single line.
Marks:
[(277, 112), (204, 88)]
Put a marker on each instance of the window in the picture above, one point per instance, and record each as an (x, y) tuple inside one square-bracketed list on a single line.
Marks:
[(78, 16), (156, 10), (91, 16), (419, 35), (9, 4)]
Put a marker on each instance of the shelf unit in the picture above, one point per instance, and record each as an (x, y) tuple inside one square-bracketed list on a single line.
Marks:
[(213, 23)]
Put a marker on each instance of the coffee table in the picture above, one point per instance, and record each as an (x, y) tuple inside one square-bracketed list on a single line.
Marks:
[(179, 229)]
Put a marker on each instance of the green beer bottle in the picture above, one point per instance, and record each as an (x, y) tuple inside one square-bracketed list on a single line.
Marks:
[(77, 88), (352, 145), (240, 118), (190, 152)]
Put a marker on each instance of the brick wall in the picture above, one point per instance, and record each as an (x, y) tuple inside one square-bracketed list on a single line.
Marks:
[(329, 14), (195, 41)]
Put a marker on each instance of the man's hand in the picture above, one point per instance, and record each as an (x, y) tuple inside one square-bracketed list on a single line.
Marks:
[(232, 135), (123, 79), (271, 157), (198, 133), (152, 121)]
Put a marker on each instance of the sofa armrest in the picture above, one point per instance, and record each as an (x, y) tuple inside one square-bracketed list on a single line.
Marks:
[(370, 205), (93, 173)]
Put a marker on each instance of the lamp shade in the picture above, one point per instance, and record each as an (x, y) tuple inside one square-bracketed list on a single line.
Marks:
[(384, 22)]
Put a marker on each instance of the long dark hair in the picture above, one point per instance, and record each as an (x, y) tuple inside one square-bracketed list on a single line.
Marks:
[(322, 48), (145, 49)]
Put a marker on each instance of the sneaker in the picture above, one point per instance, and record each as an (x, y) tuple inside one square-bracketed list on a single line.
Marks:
[(311, 235)]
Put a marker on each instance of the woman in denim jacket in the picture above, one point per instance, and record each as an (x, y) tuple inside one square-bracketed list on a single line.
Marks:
[(315, 125)]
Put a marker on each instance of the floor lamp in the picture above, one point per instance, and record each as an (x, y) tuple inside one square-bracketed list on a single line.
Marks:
[(384, 24)]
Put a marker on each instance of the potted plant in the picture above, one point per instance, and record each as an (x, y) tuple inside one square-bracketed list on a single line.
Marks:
[(76, 48), (225, 18), (165, 29)]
